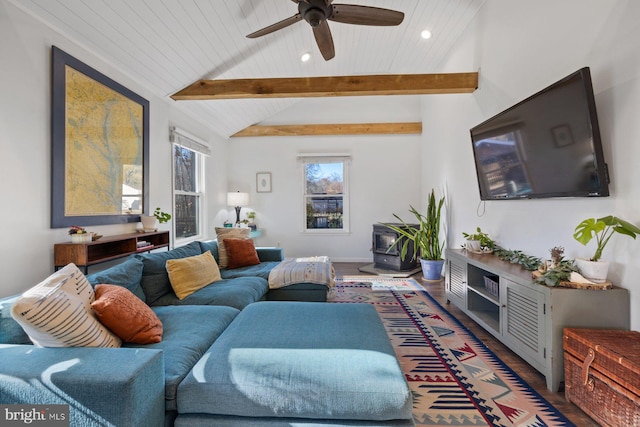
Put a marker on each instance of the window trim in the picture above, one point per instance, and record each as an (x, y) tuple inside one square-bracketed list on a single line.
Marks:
[(179, 138), (345, 159)]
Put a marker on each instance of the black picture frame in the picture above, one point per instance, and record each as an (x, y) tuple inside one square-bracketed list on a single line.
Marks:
[(60, 170)]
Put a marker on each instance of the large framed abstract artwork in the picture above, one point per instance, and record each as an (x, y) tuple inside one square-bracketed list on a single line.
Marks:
[(100, 146)]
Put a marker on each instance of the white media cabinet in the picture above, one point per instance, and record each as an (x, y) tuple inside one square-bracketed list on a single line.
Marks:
[(527, 317)]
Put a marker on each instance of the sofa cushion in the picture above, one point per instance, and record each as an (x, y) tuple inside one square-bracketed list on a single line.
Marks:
[(300, 360), (240, 253), (10, 331), (221, 233), (187, 275), (212, 246), (259, 270), (236, 293), (57, 312), (155, 279), (188, 333), (127, 274), (125, 315)]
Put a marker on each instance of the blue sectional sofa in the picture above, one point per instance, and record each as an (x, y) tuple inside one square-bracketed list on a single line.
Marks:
[(222, 359)]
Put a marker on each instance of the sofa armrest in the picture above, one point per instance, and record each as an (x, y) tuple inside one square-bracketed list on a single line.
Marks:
[(102, 386), (270, 253)]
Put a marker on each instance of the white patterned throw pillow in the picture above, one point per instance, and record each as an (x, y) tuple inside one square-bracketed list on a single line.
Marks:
[(57, 312)]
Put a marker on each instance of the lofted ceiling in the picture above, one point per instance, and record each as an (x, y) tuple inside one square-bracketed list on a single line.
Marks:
[(166, 45)]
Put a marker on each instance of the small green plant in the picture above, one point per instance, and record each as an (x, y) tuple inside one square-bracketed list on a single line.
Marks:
[(486, 242), (602, 229), (161, 216), (251, 215)]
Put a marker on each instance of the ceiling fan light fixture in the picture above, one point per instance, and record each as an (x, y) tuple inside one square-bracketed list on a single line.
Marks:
[(426, 34)]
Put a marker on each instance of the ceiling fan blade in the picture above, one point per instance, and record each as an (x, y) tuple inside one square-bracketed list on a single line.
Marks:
[(324, 40), (275, 27), (365, 15)]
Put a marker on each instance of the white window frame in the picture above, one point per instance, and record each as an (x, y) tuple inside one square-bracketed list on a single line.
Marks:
[(181, 138), (345, 159)]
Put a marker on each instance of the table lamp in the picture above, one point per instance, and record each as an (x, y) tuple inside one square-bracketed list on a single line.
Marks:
[(238, 200)]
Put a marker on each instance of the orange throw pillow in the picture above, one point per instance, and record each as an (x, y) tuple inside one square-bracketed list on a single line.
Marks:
[(242, 253), (126, 315)]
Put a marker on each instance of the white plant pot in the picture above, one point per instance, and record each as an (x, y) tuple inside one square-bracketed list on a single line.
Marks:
[(596, 271), (148, 222), (473, 246)]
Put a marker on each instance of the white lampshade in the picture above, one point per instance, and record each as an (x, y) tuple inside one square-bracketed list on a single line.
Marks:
[(237, 199)]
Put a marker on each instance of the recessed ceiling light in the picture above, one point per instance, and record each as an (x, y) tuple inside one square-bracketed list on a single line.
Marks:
[(305, 57), (426, 34)]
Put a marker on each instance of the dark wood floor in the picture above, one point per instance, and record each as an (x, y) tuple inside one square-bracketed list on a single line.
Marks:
[(535, 379)]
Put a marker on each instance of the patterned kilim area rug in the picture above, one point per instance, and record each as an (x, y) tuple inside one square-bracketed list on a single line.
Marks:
[(456, 380)]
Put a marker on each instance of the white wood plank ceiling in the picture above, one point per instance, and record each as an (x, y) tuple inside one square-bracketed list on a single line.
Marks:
[(166, 45)]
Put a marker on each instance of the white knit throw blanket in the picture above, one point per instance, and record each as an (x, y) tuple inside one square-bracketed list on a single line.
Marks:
[(291, 271)]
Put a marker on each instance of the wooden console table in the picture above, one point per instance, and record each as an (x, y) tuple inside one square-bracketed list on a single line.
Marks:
[(106, 249)]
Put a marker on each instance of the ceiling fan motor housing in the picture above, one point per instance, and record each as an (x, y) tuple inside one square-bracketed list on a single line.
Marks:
[(315, 11)]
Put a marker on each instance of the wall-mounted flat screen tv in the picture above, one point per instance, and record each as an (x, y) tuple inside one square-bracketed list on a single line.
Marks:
[(545, 146)]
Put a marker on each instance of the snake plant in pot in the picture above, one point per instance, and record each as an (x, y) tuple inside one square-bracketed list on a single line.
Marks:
[(595, 269), (425, 238)]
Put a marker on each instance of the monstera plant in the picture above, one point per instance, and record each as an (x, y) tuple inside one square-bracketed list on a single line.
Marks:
[(602, 229)]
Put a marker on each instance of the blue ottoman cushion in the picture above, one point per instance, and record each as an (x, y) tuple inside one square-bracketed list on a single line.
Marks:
[(300, 360)]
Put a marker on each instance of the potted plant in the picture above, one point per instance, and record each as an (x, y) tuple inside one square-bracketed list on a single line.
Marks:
[(595, 269), (479, 242), (149, 222), (425, 238)]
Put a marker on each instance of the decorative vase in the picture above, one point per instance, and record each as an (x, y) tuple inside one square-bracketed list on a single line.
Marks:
[(596, 271), (81, 238), (473, 246), (148, 222), (431, 269)]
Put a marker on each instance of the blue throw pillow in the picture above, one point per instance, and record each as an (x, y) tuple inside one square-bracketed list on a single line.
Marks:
[(210, 245), (155, 279), (127, 274)]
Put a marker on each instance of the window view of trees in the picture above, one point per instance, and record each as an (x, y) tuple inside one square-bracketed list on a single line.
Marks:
[(186, 195), (324, 193)]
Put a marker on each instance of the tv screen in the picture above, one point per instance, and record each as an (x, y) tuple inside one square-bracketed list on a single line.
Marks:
[(545, 146)]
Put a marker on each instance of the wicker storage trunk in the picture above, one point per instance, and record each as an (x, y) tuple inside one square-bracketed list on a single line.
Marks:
[(602, 374)]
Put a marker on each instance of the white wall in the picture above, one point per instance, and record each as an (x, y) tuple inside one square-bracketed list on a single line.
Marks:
[(520, 48), (26, 242), (384, 170)]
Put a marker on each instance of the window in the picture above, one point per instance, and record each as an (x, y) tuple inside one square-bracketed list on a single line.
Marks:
[(188, 191), (326, 206)]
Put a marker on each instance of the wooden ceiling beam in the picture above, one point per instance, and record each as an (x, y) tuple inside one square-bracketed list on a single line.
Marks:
[(302, 87), (332, 129)]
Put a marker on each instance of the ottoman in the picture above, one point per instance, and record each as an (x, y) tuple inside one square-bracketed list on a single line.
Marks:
[(301, 279), (298, 363)]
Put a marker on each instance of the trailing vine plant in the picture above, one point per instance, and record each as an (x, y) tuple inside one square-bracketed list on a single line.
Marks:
[(560, 273), (528, 262)]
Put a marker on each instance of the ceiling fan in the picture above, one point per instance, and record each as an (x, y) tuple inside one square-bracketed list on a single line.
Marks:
[(317, 12)]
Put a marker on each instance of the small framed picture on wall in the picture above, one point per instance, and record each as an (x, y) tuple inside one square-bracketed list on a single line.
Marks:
[(263, 182)]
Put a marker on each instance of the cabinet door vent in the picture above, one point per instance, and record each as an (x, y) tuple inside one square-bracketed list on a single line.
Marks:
[(457, 285), (522, 312)]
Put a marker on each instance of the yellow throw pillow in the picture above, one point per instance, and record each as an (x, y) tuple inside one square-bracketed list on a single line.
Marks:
[(190, 274), (223, 233)]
